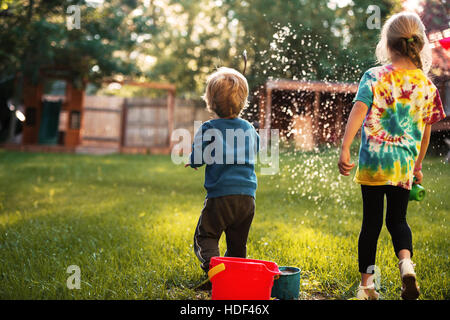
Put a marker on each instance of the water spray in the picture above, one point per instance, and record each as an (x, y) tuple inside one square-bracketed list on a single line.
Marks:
[(244, 54)]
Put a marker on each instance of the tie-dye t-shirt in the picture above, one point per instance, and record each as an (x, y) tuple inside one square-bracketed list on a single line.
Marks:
[(401, 102)]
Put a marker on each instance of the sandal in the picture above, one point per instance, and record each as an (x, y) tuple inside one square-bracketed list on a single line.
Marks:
[(367, 292)]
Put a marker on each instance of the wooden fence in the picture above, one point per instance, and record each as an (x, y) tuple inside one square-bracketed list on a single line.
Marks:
[(135, 125), (102, 120)]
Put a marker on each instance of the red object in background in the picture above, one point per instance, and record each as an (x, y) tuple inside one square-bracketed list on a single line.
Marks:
[(445, 43)]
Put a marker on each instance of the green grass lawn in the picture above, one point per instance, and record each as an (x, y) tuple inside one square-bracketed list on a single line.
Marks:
[(128, 222)]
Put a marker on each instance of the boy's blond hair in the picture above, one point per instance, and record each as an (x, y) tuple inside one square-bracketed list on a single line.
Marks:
[(226, 92)]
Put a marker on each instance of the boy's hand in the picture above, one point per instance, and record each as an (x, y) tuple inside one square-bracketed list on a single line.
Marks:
[(188, 165), (344, 162), (419, 177)]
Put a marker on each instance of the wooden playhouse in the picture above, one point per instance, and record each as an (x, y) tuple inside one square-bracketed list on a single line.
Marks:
[(309, 113)]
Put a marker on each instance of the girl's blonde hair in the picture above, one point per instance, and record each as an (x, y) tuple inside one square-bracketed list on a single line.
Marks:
[(403, 35), (226, 92)]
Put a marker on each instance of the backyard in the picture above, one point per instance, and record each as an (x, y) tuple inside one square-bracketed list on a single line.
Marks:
[(128, 222)]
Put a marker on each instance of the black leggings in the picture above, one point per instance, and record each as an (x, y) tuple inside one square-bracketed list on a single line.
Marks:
[(373, 207)]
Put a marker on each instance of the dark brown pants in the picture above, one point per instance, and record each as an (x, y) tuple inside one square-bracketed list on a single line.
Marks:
[(230, 214)]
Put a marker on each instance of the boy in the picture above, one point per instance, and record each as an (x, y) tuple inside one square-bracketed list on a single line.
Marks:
[(228, 146)]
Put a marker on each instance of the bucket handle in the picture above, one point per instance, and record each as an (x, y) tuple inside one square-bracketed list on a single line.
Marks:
[(221, 267), (215, 270)]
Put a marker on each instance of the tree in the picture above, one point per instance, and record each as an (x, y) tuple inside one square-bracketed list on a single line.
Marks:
[(182, 41), (33, 35), (309, 40)]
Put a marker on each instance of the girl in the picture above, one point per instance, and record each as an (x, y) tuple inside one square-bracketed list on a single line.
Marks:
[(396, 105)]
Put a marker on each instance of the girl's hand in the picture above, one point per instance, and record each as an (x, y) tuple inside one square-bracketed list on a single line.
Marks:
[(419, 176), (344, 162), (188, 165), (354, 123)]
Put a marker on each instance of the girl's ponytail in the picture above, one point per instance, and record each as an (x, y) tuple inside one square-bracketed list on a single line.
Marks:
[(408, 47), (403, 34)]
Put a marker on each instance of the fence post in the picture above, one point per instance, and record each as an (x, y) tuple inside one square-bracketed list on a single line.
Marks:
[(123, 124), (170, 115)]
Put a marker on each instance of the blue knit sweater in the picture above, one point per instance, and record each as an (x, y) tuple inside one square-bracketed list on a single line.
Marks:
[(228, 147)]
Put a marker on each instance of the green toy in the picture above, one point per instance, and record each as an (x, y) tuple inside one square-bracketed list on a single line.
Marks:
[(417, 192)]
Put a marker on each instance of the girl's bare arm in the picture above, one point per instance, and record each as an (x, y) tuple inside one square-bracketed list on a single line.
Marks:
[(424, 145), (423, 151), (354, 122)]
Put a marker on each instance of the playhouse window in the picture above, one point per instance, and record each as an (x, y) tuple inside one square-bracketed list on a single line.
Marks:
[(54, 90), (75, 120), (55, 87)]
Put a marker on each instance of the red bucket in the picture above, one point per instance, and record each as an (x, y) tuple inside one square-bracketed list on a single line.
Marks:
[(241, 279)]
